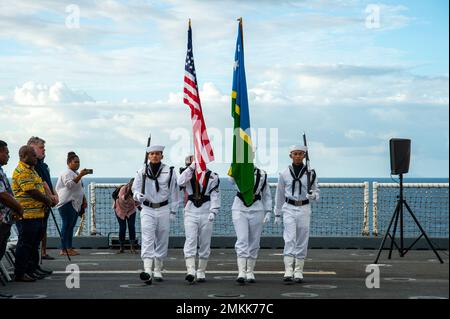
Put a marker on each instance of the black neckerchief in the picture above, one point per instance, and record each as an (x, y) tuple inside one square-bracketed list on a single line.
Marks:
[(194, 183), (153, 172), (297, 168), (297, 172), (258, 178)]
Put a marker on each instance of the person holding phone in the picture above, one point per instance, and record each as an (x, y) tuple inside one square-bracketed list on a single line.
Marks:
[(72, 201)]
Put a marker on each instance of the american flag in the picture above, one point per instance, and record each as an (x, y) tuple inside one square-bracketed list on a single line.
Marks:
[(203, 152)]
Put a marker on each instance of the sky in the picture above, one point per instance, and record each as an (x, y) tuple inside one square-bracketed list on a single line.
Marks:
[(97, 77)]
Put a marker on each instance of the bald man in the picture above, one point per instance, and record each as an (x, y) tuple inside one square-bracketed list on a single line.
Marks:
[(29, 191)]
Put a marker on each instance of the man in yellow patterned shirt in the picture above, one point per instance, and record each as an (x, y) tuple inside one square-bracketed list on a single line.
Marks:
[(29, 191)]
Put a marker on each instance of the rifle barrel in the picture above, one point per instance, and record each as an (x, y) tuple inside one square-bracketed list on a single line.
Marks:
[(308, 172), (144, 175)]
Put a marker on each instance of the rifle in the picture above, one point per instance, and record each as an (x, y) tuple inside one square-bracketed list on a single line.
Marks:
[(308, 167), (144, 174)]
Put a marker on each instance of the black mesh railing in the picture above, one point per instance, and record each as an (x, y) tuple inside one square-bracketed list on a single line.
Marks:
[(340, 212), (429, 203)]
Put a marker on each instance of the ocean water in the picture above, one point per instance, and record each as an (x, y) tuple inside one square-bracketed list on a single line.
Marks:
[(87, 180), (340, 212)]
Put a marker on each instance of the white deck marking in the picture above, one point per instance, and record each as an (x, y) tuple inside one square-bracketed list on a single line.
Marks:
[(112, 272)]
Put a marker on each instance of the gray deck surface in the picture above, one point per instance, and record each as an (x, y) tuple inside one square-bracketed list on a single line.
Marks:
[(329, 274)]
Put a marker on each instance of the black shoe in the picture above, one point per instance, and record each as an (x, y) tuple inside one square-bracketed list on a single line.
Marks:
[(288, 280), (190, 278), (144, 276), (44, 271), (24, 278), (37, 276), (40, 273), (299, 280), (241, 280), (47, 257), (5, 296)]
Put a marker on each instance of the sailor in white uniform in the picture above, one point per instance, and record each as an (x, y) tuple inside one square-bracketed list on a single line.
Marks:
[(202, 206), (293, 202), (159, 199), (248, 223)]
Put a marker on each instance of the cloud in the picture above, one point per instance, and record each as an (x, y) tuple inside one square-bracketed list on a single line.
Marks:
[(31, 93), (100, 129), (347, 70), (389, 115), (393, 17), (362, 85), (96, 53), (46, 24), (355, 134), (311, 66), (210, 92), (47, 35)]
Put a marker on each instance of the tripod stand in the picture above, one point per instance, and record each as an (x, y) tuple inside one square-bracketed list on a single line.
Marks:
[(59, 231), (398, 215)]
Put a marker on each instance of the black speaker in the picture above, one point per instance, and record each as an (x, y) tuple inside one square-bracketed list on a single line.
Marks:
[(400, 153)]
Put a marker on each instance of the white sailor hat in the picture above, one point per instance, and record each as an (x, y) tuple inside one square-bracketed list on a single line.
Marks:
[(155, 148), (298, 148)]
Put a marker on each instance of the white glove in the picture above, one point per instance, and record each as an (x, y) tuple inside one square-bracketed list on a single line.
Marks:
[(173, 217), (267, 218), (140, 197), (277, 220), (211, 217), (311, 196)]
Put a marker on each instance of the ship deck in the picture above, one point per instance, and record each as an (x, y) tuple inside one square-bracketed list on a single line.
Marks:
[(329, 274)]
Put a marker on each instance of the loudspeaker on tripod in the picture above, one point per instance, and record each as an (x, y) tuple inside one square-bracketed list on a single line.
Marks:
[(400, 150)]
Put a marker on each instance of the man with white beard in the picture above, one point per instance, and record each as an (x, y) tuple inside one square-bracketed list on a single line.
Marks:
[(203, 203), (248, 222), (159, 199), (292, 200)]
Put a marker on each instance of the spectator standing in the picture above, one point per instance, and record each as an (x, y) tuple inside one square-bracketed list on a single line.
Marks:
[(28, 189), (125, 208), (9, 207), (72, 201), (38, 144)]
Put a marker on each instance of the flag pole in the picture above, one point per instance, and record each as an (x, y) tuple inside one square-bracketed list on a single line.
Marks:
[(197, 183), (242, 30)]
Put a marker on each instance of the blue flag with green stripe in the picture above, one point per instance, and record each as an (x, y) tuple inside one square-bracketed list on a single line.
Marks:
[(242, 165)]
